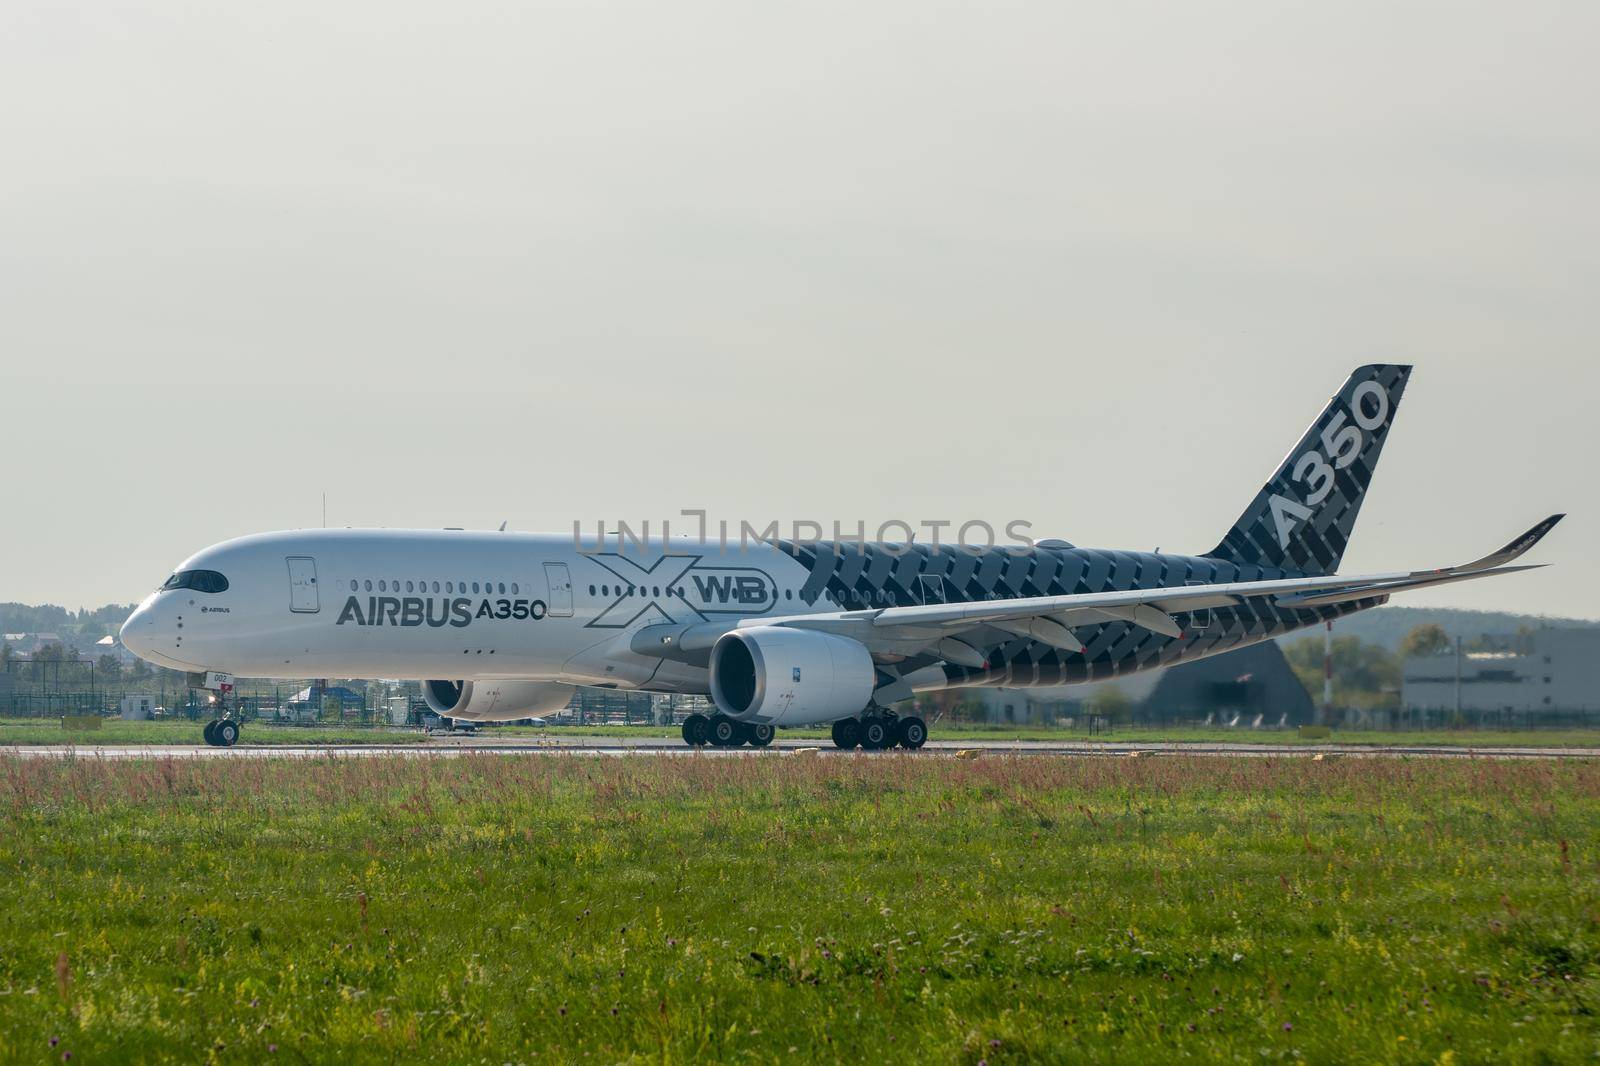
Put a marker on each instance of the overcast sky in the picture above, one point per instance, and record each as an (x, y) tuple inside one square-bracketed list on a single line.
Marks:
[(1090, 266)]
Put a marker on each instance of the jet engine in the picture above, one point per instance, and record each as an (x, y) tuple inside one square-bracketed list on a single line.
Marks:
[(495, 701), (779, 676)]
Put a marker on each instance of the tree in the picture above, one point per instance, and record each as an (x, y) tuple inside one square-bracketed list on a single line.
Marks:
[(109, 668), (1110, 703), (954, 705), (51, 653), (1364, 675), (1424, 640)]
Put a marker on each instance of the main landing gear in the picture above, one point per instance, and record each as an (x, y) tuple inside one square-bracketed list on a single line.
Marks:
[(877, 731), (222, 733), (720, 731), (880, 731)]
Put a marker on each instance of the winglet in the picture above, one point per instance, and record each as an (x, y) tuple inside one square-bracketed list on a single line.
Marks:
[(1517, 547)]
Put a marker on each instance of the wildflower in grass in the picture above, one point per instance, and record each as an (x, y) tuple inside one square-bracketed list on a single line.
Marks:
[(54, 1040), (1288, 1027)]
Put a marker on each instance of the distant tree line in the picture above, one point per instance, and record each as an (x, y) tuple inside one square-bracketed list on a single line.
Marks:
[(82, 627)]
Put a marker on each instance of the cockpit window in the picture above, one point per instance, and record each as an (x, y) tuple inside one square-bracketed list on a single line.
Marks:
[(198, 580)]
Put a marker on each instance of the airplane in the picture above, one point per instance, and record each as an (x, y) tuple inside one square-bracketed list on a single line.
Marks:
[(500, 626)]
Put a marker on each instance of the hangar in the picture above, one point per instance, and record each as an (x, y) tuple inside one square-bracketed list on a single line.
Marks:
[(1253, 686)]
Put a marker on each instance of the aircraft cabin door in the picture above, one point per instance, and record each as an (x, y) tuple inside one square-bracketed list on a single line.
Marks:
[(560, 605), (303, 597)]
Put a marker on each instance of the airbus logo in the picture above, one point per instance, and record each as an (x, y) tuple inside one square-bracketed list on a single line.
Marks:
[(678, 588), (409, 611)]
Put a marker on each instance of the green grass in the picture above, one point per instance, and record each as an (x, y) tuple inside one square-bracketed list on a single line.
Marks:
[(876, 908), (1477, 738), (1578, 738), (114, 731)]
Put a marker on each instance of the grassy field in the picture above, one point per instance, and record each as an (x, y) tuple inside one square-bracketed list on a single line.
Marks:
[(114, 731), (505, 909)]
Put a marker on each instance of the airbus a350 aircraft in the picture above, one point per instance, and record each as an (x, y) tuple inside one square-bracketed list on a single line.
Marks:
[(500, 626)]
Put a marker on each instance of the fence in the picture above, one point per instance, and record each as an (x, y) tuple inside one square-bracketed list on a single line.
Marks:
[(263, 704)]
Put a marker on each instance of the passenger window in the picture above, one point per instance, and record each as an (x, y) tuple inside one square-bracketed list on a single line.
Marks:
[(383, 585), (591, 590), (369, 584), (513, 588), (474, 586), (502, 588), (435, 586), (410, 587)]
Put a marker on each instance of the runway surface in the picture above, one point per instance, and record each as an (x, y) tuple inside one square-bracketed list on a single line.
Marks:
[(661, 746)]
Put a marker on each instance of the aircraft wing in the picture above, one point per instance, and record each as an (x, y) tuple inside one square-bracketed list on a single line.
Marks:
[(1050, 618), (936, 628)]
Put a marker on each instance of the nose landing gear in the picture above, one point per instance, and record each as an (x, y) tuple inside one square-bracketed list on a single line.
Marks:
[(222, 733)]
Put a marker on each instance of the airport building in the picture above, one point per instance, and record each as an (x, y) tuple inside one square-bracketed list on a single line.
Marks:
[(1253, 686), (1557, 676)]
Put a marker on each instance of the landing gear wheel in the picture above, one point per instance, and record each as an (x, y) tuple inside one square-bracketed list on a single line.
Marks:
[(724, 732), (876, 733), (227, 733), (761, 735), (210, 732), (911, 732), (847, 733), (696, 730)]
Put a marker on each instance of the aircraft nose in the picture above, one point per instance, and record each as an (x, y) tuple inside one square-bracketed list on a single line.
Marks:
[(137, 633)]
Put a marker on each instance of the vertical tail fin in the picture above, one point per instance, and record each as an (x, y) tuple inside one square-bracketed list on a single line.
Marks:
[(1302, 518)]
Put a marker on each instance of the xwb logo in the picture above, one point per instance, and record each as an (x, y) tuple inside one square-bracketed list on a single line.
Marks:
[(676, 588)]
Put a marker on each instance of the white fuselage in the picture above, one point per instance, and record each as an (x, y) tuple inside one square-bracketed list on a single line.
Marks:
[(423, 604)]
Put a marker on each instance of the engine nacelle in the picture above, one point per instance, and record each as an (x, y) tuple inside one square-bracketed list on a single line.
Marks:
[(495, 701), (779, 676)]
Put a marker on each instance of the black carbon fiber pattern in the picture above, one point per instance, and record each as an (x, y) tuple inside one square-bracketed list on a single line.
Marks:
[(1282, 527), (857, 577)]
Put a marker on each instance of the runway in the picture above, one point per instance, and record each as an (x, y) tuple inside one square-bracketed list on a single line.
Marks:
[(667, 747)]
